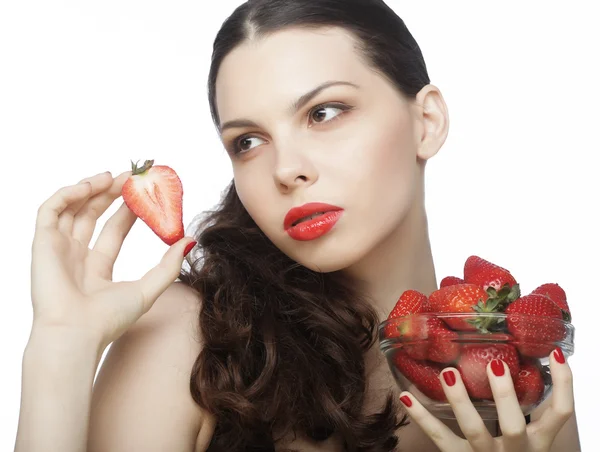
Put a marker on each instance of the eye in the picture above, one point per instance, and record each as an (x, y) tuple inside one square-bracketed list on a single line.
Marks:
[(326, 112), (244, 144), (317, 115)]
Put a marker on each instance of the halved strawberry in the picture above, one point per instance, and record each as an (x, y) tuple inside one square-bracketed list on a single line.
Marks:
[(451, 281), (557, 295), (534, 322), (472, 366), (529, 385), (423, 374), (155, 194)]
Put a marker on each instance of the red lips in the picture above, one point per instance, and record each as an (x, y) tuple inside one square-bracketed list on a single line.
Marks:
[(311, 221), (307, 210)]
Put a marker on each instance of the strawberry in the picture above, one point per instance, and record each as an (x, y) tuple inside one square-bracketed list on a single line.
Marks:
[(423, 374), (557, 295), (451, 281), (456, 298), (443, 347), (155, 194), (414, 329), (530, 319), (529, 384), (472, 366), (410, 302), (469, 298), (484, 273), (409, 327), (431, 339)]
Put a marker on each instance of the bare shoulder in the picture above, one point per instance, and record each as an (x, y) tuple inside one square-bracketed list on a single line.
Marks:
[(141, 396)]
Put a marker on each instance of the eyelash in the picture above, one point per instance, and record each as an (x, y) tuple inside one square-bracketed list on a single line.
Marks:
[(234, 148)]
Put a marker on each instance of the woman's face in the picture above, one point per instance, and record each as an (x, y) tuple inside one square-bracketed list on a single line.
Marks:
[(353, 145)]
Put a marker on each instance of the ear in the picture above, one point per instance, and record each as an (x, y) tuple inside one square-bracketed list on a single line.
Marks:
[(432, 122)]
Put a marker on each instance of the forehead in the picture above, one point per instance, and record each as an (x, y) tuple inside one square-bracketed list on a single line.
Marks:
[(275, 70)]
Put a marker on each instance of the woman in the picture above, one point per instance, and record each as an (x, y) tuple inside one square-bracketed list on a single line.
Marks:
[(323, 102)]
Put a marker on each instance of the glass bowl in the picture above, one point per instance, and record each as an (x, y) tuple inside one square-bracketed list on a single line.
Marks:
[(418, 347)]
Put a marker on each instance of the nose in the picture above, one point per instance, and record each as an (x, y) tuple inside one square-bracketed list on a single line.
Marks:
[(293, 169)]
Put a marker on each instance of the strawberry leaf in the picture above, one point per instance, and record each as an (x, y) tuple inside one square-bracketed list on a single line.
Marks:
[(497, 302), (486, 325), (493, 293)]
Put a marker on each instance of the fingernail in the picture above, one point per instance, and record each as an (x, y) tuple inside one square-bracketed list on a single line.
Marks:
[(497, 367), (449, 377), (406, 400), (558, 355), (188, 248)]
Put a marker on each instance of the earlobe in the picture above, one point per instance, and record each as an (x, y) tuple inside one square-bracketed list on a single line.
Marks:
[(434, 121)]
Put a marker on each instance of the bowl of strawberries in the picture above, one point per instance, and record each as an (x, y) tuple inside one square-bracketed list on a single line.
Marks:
[(467, 323)]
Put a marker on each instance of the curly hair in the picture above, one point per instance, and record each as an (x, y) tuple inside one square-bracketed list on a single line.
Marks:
[(284, 346)]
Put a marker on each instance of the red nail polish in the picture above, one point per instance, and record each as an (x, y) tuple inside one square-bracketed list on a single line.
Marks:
[(497, 367), (449, 377), (406, 401), (188, 248), (558, 355)]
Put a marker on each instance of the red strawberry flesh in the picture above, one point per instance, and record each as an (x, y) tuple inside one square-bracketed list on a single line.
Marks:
[(154, 194)]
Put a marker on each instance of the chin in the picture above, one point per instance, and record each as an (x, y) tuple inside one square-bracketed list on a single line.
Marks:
[(323, 256)]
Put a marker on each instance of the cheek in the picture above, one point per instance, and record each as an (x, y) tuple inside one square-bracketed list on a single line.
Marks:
[(387, 166), (256, 196)]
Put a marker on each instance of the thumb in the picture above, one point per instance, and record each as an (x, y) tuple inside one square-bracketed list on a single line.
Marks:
[(159, 278)]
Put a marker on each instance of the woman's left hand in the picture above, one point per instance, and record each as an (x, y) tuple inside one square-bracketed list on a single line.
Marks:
[(517, 436)]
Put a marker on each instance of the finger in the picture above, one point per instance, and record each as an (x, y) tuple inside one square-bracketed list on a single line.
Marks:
[(48, 212), (87, 217), (159, 278), (113, 233), (99, 182), (510, 416), (562, 404), (468, 418), (440, 434)]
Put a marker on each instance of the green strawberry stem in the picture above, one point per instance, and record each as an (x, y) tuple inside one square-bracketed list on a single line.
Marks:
[(135, 170), (497, 301)]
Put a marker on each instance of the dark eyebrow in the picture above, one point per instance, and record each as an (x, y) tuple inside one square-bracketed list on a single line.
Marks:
[(297, 105)]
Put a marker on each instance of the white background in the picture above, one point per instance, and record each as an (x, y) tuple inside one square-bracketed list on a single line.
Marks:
[(87, 86)]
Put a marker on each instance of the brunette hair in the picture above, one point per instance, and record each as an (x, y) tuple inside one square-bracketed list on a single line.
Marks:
[(284, 346)]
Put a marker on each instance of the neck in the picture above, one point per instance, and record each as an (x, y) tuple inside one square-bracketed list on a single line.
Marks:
[(401, 261)]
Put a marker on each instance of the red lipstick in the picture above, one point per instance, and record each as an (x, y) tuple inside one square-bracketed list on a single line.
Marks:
[(311, 221)]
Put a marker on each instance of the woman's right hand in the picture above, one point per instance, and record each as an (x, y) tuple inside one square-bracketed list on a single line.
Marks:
[(71, 284)]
